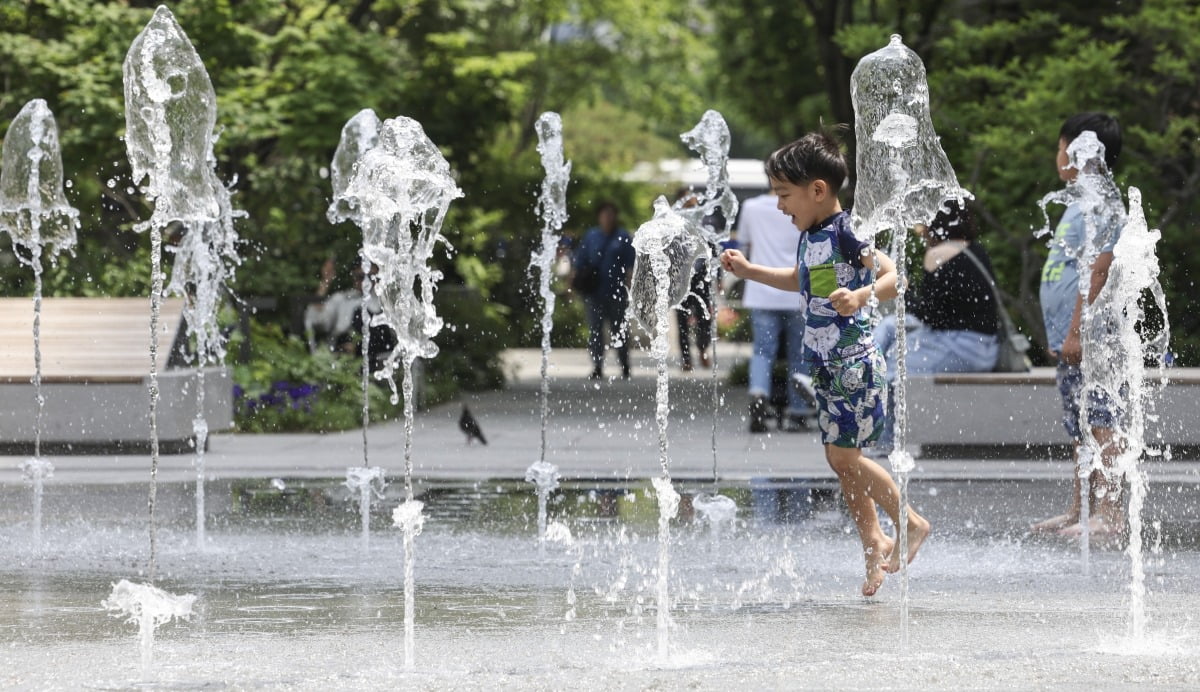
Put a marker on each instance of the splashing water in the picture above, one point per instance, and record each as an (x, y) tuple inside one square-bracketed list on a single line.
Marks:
[(1095, 194), (545, 476), (716, 511), (149, 608), (366, 481), (170, 116), (710, 139), (399, 192), (1115, 354), (667, 248), (559, 533), (359, 134), (33, 206), (35, 471), (668, 508), (35, 214), (552, 207), (402, 188), (409, 518), (904, 177), (204, 265)]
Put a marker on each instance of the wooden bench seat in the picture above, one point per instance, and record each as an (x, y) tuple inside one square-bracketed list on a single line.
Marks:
[(1020, 414), (95, 374)]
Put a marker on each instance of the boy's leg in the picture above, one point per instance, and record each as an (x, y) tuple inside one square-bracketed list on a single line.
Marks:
[(850, 413), (876, 545), (869, 478), (1070, 384), (1107, 515)]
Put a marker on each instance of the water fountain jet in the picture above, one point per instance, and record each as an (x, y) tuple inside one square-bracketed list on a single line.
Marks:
[(365, 481), (1094, 192), (170, 120), (400, 190), (904, 177), (35, 214), (149, 608)]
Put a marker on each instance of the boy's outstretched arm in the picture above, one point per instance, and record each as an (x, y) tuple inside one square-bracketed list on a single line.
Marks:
[(848, 302), (783, 278)]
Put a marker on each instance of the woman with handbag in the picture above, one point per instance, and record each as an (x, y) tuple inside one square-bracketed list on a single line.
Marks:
[(954, 323)]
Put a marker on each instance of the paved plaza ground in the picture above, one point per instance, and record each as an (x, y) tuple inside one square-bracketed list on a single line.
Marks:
[(595, 430), (288, 597)]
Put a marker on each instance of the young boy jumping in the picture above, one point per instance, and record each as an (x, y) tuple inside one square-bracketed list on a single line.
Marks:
[(833, 274)]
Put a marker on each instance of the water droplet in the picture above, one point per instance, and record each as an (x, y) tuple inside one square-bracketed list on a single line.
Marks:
[(111, 183)]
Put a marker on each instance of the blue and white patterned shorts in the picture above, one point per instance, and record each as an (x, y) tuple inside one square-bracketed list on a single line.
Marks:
[(1102, 410), (852, 400)]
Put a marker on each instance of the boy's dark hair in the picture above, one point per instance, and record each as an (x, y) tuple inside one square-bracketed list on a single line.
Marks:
[(1107, 130), (815, 156), (607, 204), (954, 221)]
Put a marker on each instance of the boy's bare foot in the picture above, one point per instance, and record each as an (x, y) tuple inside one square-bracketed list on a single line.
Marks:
[(1058, 523), (1097, 526), (876, 556), (918, 531)]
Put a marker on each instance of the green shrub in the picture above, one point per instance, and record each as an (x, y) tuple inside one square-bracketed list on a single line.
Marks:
[(284, 388)]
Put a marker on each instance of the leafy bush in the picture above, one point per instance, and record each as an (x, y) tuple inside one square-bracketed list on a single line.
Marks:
[(284, 388)]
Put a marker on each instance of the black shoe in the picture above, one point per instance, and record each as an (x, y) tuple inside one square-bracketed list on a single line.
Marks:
[(625, 372), (597, 373), (758, 414)]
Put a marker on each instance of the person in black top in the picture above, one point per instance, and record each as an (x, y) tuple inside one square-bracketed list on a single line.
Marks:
[(952, 310)]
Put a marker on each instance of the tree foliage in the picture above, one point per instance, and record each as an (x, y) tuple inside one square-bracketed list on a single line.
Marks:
[(628, 76), (1003, 77)]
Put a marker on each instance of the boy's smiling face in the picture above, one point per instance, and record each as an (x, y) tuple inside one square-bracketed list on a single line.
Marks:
[(805, 203)]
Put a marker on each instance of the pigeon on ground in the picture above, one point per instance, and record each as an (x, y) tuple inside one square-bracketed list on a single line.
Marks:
[(470, 426)]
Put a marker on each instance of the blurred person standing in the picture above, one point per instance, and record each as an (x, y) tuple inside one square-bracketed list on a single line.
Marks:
[(602, 270), (767, 237)]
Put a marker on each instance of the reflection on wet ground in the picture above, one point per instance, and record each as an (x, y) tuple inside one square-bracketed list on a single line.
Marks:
[(287, 599)]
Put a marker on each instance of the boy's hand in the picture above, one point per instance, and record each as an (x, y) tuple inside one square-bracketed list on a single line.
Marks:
[(734, 262), (1072, 349), (846, 302)]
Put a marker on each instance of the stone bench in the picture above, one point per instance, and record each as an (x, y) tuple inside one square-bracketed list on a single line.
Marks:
[(1005, 415), (95, 378)]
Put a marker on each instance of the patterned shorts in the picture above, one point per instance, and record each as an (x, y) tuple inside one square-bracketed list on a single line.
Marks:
[(851, 401), (1103, 412)]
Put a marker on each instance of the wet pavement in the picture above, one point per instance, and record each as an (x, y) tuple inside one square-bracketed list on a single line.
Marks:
[(287, 597)]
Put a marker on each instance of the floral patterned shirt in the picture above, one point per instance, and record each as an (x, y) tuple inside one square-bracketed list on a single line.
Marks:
[(829, 257)]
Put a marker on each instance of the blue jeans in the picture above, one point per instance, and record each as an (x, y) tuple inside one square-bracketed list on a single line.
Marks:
[(932, 351), (769, 326)]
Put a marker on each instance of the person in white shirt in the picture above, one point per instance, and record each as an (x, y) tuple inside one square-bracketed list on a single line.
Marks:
[(767, 237)]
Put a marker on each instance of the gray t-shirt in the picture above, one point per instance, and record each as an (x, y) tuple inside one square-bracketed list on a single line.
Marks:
[(1060, 274)]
